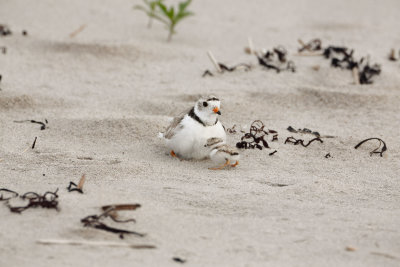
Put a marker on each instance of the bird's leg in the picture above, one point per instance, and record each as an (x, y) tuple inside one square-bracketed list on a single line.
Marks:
[(234, 165), (172, 153), (222, 166)]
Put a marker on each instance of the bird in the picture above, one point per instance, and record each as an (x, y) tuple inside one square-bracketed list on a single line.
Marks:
[(222, 153), (189, 131)]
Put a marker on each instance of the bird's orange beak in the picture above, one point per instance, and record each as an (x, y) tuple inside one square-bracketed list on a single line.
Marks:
[(216, 110)]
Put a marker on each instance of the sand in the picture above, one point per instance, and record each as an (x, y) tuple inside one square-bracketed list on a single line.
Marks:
[(109, 90)]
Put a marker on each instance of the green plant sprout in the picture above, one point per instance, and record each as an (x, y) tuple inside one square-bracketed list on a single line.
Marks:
[(167, 15), (149, 9)]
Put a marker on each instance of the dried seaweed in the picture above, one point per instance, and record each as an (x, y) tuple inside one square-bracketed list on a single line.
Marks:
[(382, 146), (303, 131), (233, 130), (342, 57), (276, 184), (255, 138), (367, 72), (281, 52), (207, 72), (114, 208), (110, 211), (328, 155), (295, 141), (4, 30), (273, 152), (177, 259), (224, 68), (276, 60), (311, 46), (48, 200), (121, 207), (43, 124), (13, 194), (74, 187)]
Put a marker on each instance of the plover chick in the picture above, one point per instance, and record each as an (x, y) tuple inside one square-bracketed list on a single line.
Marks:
[(188, 132), (222, 153)]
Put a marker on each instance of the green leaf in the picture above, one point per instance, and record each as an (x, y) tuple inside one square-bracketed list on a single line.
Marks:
[(183, 5), (159, 18), (163, 8), (171, 13), (183, 15)]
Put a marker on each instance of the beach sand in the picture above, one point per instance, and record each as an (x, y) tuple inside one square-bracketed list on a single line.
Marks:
[(108, 91)]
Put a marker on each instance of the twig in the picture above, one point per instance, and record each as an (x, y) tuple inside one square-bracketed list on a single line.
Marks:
[(384, 255), (77, 31), (393, 56), (309, 54), (121, 207), (26, 149), (78, 187), (301, 42), (214, 61), (272, 153), (34, 143), (251, 46), (91, 243), (81, 182)]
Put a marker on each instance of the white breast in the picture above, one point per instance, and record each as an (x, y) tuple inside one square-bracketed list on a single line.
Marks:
[(189, 141)]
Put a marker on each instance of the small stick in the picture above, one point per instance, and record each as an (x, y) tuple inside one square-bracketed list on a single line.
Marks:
[(393, 55), (121, 207), (309, 54), (272, 153), (384, 255), (355, 76), (214, 61), (77, 31), (34, 143), (81, 182), (251, 45), (301, 42), (91, 243), (26, 149)]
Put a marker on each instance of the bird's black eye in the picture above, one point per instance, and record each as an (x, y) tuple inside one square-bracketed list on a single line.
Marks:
[(205, 104)]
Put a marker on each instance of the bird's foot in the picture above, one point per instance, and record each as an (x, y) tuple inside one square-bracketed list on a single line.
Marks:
[(234, 165), (222, 166)]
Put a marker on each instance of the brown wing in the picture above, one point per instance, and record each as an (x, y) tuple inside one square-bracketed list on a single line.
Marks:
[(228, 149), (171, 129)]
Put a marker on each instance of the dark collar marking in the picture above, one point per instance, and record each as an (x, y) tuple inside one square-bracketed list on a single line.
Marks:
[(213, 99), (195, 117)]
